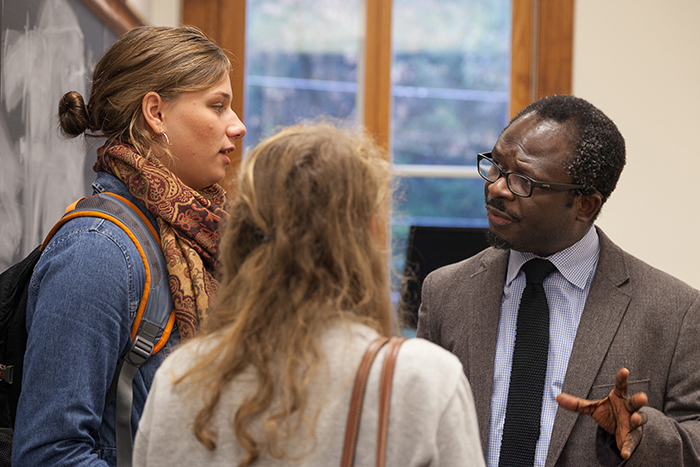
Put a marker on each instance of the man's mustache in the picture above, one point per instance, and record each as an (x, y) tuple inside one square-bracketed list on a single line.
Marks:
[(500, 205)]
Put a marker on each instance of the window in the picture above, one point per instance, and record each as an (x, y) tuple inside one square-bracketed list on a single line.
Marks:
[(300, 66), (450, 77)]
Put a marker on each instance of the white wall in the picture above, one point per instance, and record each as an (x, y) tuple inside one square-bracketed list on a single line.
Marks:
[(639, 62), (166, 12), (159, 12)]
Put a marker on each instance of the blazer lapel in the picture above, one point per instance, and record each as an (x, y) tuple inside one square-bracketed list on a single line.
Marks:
[(602, 314), (481, 329)]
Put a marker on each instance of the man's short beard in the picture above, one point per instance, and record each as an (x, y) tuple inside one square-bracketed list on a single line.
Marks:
[(497, 242)]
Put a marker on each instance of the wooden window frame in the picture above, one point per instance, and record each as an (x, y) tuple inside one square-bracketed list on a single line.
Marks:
[(542, 48), (376, 80)]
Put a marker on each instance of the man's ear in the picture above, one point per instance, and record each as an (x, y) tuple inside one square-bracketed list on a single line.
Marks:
[(588, 206), (151, 108)]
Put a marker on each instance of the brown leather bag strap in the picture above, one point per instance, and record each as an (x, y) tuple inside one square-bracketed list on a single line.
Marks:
[(392, 352), (358, 393), (353, 424)]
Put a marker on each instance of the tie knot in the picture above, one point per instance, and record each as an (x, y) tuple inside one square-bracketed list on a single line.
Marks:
[(536, 270)]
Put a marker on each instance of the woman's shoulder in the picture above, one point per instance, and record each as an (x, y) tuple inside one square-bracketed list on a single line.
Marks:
[(187, 355), (91, 236), (74, 247), (423, 350), (419, 361), (427, 380), (424, 359), (415, 353)]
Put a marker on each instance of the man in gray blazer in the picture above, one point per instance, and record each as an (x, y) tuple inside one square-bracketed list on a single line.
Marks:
[(624, 338)]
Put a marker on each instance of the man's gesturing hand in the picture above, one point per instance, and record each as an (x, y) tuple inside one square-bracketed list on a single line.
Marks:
[(618, 414)]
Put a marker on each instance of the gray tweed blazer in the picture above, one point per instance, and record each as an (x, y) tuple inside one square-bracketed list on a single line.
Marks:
[(635, 317)]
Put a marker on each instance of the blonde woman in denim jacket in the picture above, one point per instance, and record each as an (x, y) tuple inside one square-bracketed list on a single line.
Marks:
[(161, 97)]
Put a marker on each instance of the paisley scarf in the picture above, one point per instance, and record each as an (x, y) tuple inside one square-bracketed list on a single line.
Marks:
[(188, 222)]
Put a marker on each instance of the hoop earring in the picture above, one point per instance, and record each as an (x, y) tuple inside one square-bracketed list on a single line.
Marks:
[(167, 140)]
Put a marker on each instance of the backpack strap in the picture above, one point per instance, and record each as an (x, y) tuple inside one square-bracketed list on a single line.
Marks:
[(155, 315)]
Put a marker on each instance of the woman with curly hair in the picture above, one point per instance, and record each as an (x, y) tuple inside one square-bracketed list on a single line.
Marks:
[(304, 292)]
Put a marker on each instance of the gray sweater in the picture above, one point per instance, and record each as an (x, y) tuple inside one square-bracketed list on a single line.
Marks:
[(432, 416)]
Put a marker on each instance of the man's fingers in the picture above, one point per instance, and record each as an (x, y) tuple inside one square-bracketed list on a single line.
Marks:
[(570, 402), (644, 418), (576, 404), (636, 402), (567, 401), (631, 441), (621, 383), (638, 419)]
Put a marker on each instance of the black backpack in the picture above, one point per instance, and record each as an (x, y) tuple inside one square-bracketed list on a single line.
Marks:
[(150, 330)]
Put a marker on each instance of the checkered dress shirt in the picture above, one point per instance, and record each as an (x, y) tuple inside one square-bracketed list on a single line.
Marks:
[(566, 289)]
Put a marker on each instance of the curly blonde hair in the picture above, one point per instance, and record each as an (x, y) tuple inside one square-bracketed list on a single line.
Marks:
[(301, 249)]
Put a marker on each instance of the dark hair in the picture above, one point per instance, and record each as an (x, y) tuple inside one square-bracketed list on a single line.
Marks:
[(165, 60), (597, 145)]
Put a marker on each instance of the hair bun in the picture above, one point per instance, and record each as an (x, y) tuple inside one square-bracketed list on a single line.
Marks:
[(73, 114)]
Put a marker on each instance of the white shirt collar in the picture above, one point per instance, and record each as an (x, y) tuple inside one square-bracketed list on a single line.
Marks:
[(574, 263)]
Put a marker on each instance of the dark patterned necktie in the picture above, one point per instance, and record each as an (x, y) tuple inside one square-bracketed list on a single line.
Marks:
[(522, 425)]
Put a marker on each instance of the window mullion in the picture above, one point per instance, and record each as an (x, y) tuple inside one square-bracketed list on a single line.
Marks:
[(376, 70)]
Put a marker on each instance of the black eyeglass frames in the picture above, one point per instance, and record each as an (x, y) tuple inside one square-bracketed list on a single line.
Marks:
[(521, 185)]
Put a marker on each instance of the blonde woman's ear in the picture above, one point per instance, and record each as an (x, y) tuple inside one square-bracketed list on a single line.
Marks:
[(152, 106)]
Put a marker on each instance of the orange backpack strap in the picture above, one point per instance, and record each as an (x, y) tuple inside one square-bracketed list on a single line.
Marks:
[(155, 316), (156, 299)]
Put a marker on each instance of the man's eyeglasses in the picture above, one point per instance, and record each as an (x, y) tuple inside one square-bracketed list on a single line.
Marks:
[(519, 184)]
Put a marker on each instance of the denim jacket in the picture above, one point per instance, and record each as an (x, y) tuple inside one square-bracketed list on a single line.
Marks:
[(83, 296)]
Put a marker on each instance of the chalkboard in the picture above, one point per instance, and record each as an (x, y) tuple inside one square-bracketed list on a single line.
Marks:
[(49, 47)]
